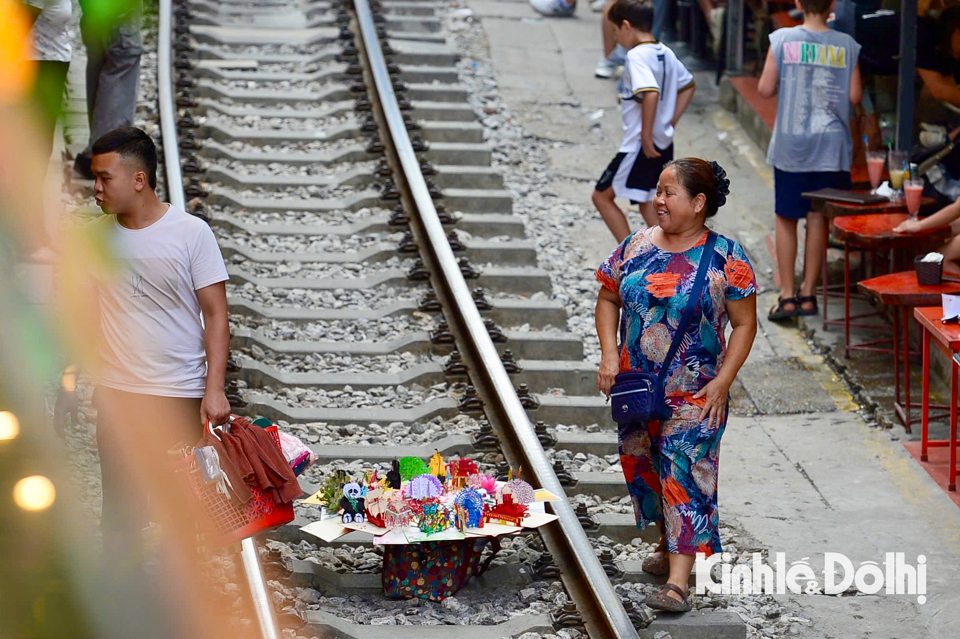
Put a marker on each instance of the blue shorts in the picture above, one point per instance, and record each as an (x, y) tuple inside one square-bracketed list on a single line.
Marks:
[(788, 186)]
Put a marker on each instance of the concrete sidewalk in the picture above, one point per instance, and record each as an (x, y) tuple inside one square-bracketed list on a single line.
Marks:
[(802, 472)]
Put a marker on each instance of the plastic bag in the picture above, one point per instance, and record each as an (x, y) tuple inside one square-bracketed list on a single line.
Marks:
[(296, 452)]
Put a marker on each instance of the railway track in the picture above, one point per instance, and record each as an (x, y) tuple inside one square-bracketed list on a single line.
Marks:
[(384, 299)]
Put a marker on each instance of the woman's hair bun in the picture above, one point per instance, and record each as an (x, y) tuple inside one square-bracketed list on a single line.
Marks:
[(723, 184)]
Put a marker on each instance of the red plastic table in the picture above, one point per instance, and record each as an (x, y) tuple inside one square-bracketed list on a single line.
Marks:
[(946, 337), (875, 233), (831, 210), (901, 292)]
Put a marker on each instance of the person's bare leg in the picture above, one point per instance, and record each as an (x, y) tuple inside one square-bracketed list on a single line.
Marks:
[(614, 218), (951, 256), (606, 28), (786, 241), (649, 212), (813, 257), (680, 567)]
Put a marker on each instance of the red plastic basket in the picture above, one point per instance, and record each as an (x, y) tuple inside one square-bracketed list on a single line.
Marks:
[(224, 519)]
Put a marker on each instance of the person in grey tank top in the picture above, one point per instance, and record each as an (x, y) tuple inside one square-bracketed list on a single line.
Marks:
[(815, 71)]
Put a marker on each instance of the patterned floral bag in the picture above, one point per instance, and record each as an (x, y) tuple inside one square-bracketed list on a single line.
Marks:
[(638, 396), (434, 570)]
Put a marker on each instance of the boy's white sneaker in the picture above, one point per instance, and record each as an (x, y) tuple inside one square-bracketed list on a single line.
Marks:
[(605, 68), (597, 5), (553, 8)]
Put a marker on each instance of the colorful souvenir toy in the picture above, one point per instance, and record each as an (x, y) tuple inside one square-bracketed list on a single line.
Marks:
[(471, 503), (375, 504), (331, 489), (434, 517), (522, 491), (352, 503), (508, 512), (424, 486), (397, 514), (459, 470), (410, 467), (487, 483), (394, 478), (437, 467)]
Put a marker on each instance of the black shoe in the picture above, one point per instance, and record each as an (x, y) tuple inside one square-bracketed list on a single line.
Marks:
[(82, 167)]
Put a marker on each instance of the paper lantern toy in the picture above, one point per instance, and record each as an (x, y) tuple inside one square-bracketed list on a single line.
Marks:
[(397, 514), (459, 470), (410, 467), (522, 492), (424, 486), (471, 503)]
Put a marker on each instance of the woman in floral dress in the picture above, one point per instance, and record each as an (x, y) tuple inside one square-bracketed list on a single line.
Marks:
[(671, 466)]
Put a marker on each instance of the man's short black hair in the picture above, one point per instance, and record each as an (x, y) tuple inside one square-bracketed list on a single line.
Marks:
[(639, 13), (130, 142)]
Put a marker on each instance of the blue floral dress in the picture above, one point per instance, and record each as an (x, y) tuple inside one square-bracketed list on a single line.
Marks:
[(671, 467)]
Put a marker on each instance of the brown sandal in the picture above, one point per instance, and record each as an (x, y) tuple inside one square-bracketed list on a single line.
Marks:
[(666, 603), (656, 564)]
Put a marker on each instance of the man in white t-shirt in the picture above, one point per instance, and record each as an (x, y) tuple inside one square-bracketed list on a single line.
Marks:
[(655, 91), (162, 371)]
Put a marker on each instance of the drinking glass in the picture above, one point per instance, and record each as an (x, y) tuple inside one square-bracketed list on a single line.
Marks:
[(875, 161), (913, 189), (899, 168)]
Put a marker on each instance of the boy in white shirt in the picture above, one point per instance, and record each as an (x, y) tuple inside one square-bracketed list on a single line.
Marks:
[(655, 91)]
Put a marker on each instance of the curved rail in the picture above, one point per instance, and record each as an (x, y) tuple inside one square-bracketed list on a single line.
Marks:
[(582, 574), (260, 596)]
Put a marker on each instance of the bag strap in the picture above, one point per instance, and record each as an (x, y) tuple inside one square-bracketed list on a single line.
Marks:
[(687, 316)]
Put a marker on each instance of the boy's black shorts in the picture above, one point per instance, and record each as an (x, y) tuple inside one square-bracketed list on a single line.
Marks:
[(633, 175)]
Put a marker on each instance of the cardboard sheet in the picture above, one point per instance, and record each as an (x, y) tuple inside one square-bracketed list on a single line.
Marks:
[(415, 535), (493, 530), (535, 520), (366, 527), (393, 537), (542, 494), (312, 499), (327, 529)]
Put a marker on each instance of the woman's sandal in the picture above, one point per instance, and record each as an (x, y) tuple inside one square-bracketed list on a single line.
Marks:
[(666, 603), (807, 299), (778, 313), (656, 564)]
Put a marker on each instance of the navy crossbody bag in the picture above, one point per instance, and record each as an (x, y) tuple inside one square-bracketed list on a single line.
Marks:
[(637, 396)]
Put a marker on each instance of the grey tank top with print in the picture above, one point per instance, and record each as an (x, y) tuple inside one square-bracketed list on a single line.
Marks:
[(812, 130)]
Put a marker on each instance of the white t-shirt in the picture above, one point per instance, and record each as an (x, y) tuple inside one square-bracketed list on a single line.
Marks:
[(651, 67), (51, 31), (152, 338)]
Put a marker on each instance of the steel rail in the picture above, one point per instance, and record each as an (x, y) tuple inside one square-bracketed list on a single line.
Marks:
[(168, 114), (600, 607), (250, 558)]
